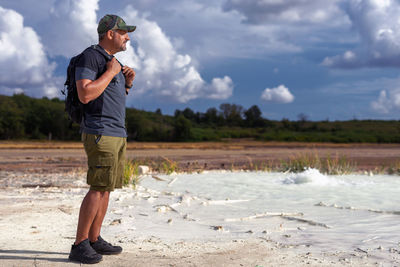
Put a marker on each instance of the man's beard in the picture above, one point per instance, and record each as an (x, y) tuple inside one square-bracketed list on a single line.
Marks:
[(123, 47)]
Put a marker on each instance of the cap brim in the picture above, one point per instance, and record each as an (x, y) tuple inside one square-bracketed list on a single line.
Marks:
[(128, 28)]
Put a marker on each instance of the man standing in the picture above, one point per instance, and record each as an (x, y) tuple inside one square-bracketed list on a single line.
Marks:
[(102, 84)]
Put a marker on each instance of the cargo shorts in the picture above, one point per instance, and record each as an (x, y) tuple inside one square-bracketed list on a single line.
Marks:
[(106, 161)]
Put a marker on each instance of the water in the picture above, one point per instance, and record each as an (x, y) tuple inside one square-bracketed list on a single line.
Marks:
[(328, 212)]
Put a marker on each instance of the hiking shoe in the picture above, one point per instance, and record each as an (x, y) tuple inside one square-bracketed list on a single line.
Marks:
[(103, 247), (84, 253)]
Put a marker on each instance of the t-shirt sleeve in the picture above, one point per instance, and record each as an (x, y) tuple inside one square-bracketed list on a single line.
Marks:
[(86, 67)]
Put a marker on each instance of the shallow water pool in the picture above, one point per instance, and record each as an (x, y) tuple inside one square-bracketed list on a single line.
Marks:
[(343, 212)]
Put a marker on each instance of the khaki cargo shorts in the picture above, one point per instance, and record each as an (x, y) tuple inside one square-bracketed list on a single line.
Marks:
[(106, 161)]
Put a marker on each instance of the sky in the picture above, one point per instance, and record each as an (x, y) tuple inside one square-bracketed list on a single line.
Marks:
[(324, 59)]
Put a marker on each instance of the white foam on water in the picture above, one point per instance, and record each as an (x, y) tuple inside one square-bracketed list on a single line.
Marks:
[(311, 176)]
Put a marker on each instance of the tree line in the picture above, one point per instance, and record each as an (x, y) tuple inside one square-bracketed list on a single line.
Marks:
[(23, 117)]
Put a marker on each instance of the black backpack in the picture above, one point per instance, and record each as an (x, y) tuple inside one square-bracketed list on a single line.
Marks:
[(73, 106)]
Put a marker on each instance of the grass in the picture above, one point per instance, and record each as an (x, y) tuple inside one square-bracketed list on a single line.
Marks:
[(394, 169), (169, 166), (131, 169), (131, 173), (337, 165)]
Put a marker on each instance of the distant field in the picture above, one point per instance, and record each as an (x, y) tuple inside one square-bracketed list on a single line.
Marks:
[(233, 144), (44, 156)]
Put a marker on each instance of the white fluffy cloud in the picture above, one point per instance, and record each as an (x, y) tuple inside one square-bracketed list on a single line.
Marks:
[(23, 65), (388, 101), (71, 25), (280, 94), (378, 26), (162, 70), (286, 11)]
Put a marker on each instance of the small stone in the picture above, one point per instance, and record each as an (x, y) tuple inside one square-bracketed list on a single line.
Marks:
[(163, 209), (142, 169), (116, 221), (217, 228)]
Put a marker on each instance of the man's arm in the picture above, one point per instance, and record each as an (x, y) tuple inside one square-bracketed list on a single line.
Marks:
[(89, 90)]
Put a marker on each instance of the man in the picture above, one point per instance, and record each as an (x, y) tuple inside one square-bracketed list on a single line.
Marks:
[(102, 85)]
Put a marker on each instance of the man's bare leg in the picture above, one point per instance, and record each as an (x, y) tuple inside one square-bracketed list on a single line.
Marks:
[(95, 228), (88, 211)]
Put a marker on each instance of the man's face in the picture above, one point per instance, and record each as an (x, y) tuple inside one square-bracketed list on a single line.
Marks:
[(120, 38)]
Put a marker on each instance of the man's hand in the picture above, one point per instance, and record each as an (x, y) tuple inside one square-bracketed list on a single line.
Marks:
[(89, 90), (129, 76), (114, 66)]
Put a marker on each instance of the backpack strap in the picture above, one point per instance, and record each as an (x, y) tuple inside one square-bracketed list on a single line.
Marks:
[(107, 56)]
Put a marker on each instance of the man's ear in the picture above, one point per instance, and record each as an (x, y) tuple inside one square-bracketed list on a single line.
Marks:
[(110, 34)]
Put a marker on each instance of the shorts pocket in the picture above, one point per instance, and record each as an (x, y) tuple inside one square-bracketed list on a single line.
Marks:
[(100, 171)]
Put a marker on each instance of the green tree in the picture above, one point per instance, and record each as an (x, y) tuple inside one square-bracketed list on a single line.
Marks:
[(232, 114), (11, 119), (182, 129), (189, 114), (253, 117)]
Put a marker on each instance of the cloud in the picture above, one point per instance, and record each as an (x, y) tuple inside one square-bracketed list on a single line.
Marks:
[(64, 26), (378, 26), (71, 25), (288, 11), (23, 65), (220, 88), (162, 70), (207, 32), (280, 94), (388, 101)]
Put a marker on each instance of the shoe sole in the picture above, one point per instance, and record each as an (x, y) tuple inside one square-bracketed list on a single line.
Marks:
[(109, 253), (84, 262)]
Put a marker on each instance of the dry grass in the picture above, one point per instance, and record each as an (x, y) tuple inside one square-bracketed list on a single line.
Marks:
[(228, 145), (337, 165), (131, 173), (394, 168)]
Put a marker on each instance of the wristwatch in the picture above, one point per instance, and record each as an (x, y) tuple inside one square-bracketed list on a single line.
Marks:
[(127, 87)]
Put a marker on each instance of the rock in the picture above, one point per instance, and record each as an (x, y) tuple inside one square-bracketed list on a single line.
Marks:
[(163, 209), (116, 221), (217, 228), (143, 169)]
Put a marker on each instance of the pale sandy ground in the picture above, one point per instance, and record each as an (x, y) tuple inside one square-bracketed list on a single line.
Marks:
[(37, 226)]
